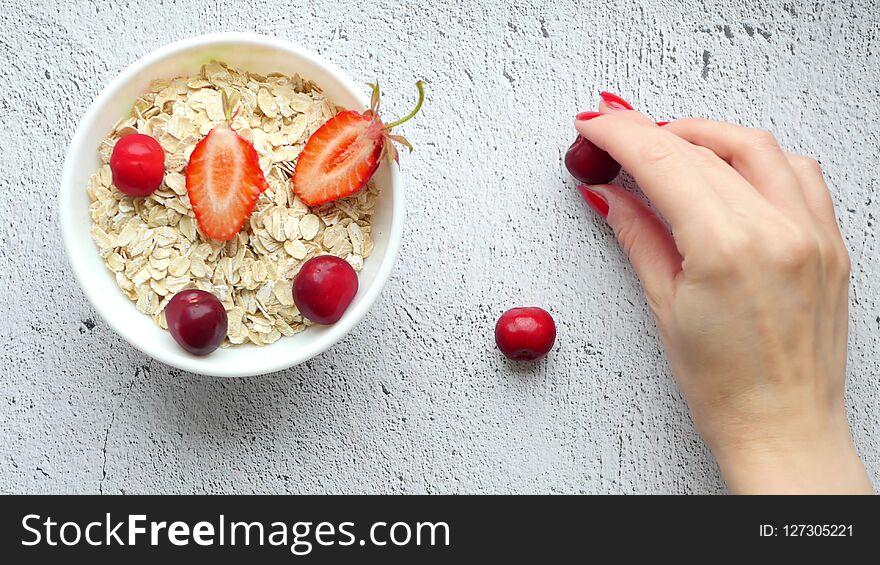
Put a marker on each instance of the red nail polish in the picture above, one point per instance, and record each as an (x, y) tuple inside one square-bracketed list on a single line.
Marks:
[(661, 124), (595, 200), (584, 116), (614, 101)]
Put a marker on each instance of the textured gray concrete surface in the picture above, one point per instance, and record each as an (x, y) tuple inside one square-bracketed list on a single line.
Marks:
[(416, 399)]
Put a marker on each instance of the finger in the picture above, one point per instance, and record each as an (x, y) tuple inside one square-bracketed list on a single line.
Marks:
[(754, 154), (814, 190), (661, 163), (733, 189), (642, 236)]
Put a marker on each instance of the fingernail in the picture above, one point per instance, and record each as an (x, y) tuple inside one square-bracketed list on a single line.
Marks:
[(661, 124), (596, 201), (584, 116), (614, 101)]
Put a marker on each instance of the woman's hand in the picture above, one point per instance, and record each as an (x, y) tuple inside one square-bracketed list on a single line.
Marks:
[(749, 288)]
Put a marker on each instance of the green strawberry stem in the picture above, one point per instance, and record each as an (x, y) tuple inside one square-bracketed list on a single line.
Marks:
[(374, 99), (230, 103), (421, 86)]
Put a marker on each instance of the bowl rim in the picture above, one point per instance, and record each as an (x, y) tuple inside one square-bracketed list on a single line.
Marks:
[(263, 364)]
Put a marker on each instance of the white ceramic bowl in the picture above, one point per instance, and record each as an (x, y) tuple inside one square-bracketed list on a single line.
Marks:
[(255, 53)]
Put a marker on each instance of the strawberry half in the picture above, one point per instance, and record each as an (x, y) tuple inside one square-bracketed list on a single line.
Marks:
[(344, 153), (223, 180)]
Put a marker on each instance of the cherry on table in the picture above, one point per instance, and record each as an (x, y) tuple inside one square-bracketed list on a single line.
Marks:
[(137, 164), (525, 334)]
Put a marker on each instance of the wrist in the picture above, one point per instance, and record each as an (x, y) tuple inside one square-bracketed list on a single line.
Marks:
[(823, 462)]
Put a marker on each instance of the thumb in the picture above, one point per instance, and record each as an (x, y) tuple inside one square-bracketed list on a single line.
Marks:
[(642, 236)]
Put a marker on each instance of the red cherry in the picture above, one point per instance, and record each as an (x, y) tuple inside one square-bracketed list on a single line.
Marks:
[(589, 164), (137, 164), (196, 320), (525, 334), (323, 288)]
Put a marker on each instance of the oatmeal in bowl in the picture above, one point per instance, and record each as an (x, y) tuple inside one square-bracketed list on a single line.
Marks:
[(240, 194), (154, 245)]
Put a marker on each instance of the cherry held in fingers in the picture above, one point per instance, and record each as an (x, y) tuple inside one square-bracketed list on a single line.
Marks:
[(525, 334), (586, 162), (197, 321), (589, 164)]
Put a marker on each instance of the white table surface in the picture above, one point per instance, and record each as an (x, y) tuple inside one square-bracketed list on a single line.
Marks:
[(416, 399)]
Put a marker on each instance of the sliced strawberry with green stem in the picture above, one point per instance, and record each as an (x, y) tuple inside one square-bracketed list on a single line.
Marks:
[(344, 153), (224, 179)]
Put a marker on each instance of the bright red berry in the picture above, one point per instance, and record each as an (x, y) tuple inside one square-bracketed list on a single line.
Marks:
[(525, 334), (324, 287), (344, 153), (224, 178), (137, 164), (223, 181), (197, 321)]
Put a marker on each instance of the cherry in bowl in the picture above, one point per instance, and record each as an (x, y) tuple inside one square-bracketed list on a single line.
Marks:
[(324, 287), (196, 320), (525, 334), (137, 164)]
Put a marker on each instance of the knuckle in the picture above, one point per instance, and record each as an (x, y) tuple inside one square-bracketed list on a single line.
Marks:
[(793, 249), (627, 235), (659, 151), (657, 301), (834, 259), (703, 154), (725, 251), (796, 254), (807, 165), (734, 248), (763, 140), (695, 122), (844, 264), (840, 263)]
